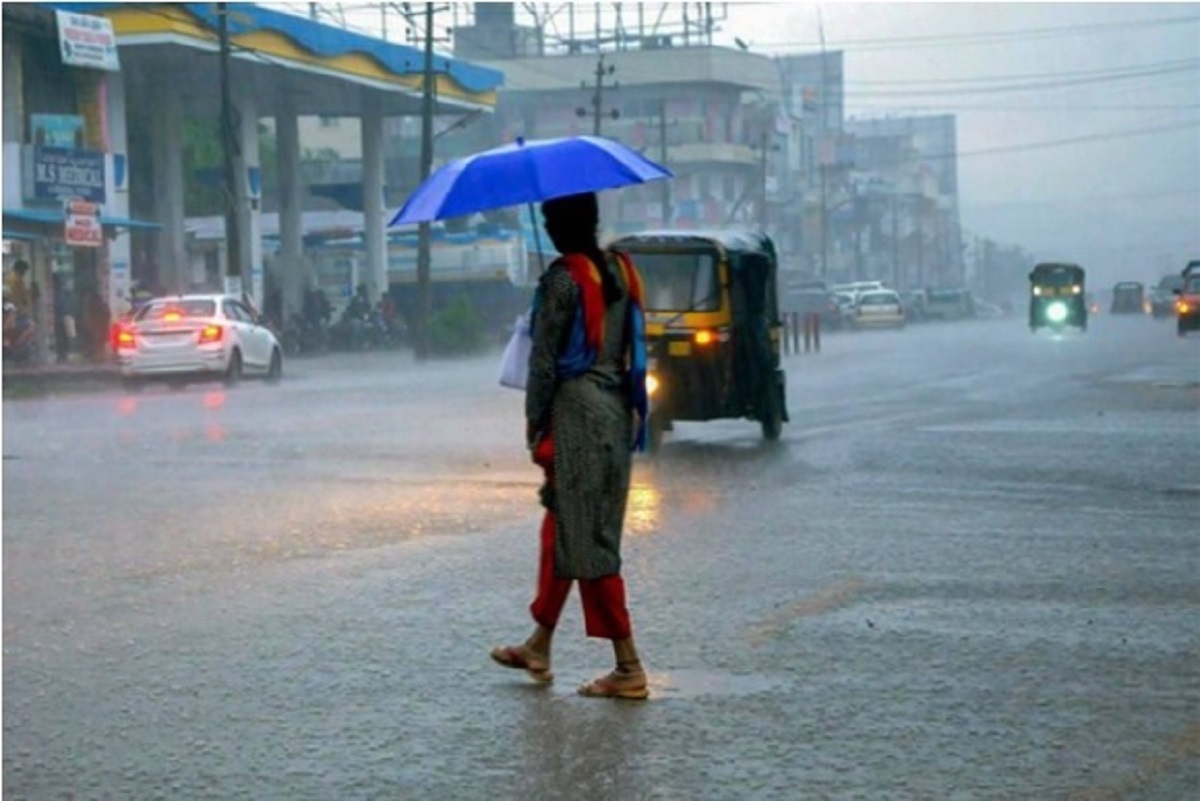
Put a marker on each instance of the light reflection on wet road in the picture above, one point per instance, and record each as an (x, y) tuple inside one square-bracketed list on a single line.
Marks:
[(968, 570)]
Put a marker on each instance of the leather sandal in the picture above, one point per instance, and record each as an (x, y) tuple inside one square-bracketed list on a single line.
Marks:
[(520, 657), (617, 684)]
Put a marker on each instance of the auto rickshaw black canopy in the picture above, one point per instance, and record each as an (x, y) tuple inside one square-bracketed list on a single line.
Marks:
[(737, 242), (1046, 269)]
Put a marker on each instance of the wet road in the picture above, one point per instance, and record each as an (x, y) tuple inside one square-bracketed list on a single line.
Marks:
[(969, 570)]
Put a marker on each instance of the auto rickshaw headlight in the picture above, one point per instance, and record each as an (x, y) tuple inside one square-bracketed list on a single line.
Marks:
[(1056, 312), (651, 384)]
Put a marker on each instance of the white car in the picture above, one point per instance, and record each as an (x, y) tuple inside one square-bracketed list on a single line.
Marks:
[(879, 308), (195, 336)]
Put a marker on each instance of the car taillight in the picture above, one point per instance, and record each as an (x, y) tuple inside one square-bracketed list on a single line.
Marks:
[(210, 333), (122, 337)]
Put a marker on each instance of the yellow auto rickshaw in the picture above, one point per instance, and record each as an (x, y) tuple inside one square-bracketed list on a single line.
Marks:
[(713, 328)]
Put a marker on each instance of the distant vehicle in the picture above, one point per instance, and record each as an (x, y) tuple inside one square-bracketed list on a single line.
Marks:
[(1057, 297), (1127, 297), (879, 308), (914, 305), (815, 301), (1162, 296), (855, 287), (1192, 268), (845, 302), (1187, 305), (949, 304), (193, 337), (987, 311)]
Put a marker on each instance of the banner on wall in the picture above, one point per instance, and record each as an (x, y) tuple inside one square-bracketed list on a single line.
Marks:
[(57, 130), (87, 41)]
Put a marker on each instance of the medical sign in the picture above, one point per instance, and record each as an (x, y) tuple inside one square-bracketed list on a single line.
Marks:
[(87, 41), (59, 173), (83, 229)]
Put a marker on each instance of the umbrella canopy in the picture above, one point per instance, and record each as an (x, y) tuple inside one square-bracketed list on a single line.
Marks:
[(527, 172)]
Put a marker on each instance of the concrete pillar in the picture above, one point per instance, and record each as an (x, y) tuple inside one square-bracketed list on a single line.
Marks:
[(14, 99), (251, 208), (117, 204), (292, 270), (166, 125), (374, 232)]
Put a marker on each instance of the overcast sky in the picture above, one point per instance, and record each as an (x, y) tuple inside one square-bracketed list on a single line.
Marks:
[(1078, 123), (1117, 86)]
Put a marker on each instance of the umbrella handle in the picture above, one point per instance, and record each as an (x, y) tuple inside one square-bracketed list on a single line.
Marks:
[(537, 237)]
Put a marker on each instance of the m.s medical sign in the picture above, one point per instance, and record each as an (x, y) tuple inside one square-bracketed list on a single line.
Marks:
[(59, 173)]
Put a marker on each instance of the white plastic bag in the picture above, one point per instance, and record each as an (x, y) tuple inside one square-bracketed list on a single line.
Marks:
[(514, 365)]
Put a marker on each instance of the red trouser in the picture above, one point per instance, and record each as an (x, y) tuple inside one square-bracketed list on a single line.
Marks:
[(604, 612)]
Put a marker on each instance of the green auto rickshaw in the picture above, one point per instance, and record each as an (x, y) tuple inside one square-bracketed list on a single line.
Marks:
[(1056, 297)]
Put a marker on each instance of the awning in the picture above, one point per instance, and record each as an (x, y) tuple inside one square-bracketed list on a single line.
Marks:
[(49, 216), (57, 217), (128, 222)]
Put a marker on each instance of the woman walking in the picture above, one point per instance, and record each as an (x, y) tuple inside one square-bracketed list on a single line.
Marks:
[(585, 410)]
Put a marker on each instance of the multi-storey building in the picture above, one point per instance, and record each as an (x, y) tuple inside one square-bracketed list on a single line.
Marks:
[(911, 196)]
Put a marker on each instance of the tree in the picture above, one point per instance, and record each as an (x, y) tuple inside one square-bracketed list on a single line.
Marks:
[(203, 193)]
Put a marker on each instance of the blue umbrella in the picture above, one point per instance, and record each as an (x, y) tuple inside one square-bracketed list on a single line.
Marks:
[(526, 172)]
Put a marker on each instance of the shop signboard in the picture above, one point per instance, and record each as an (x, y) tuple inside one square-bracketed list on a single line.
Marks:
[(57, 174), (87, 41), (83, 229)]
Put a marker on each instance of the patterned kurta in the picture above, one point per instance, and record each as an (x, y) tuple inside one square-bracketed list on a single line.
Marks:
[(592, 420)]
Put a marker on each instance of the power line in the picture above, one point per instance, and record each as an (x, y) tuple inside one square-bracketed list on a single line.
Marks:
[(1052, 143), (1036, 85), (994, 37), (1042, 200), (1006, 109), (1176, 65)]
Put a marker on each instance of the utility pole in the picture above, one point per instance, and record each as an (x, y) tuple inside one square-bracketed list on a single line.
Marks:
[(665, 186), (424, 230), (597, 112), (230, 151), (824, 132), (762, 184), (920, 242), (896, 248)]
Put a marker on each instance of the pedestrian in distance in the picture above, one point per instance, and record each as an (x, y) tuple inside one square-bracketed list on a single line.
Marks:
[(585, 410)]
